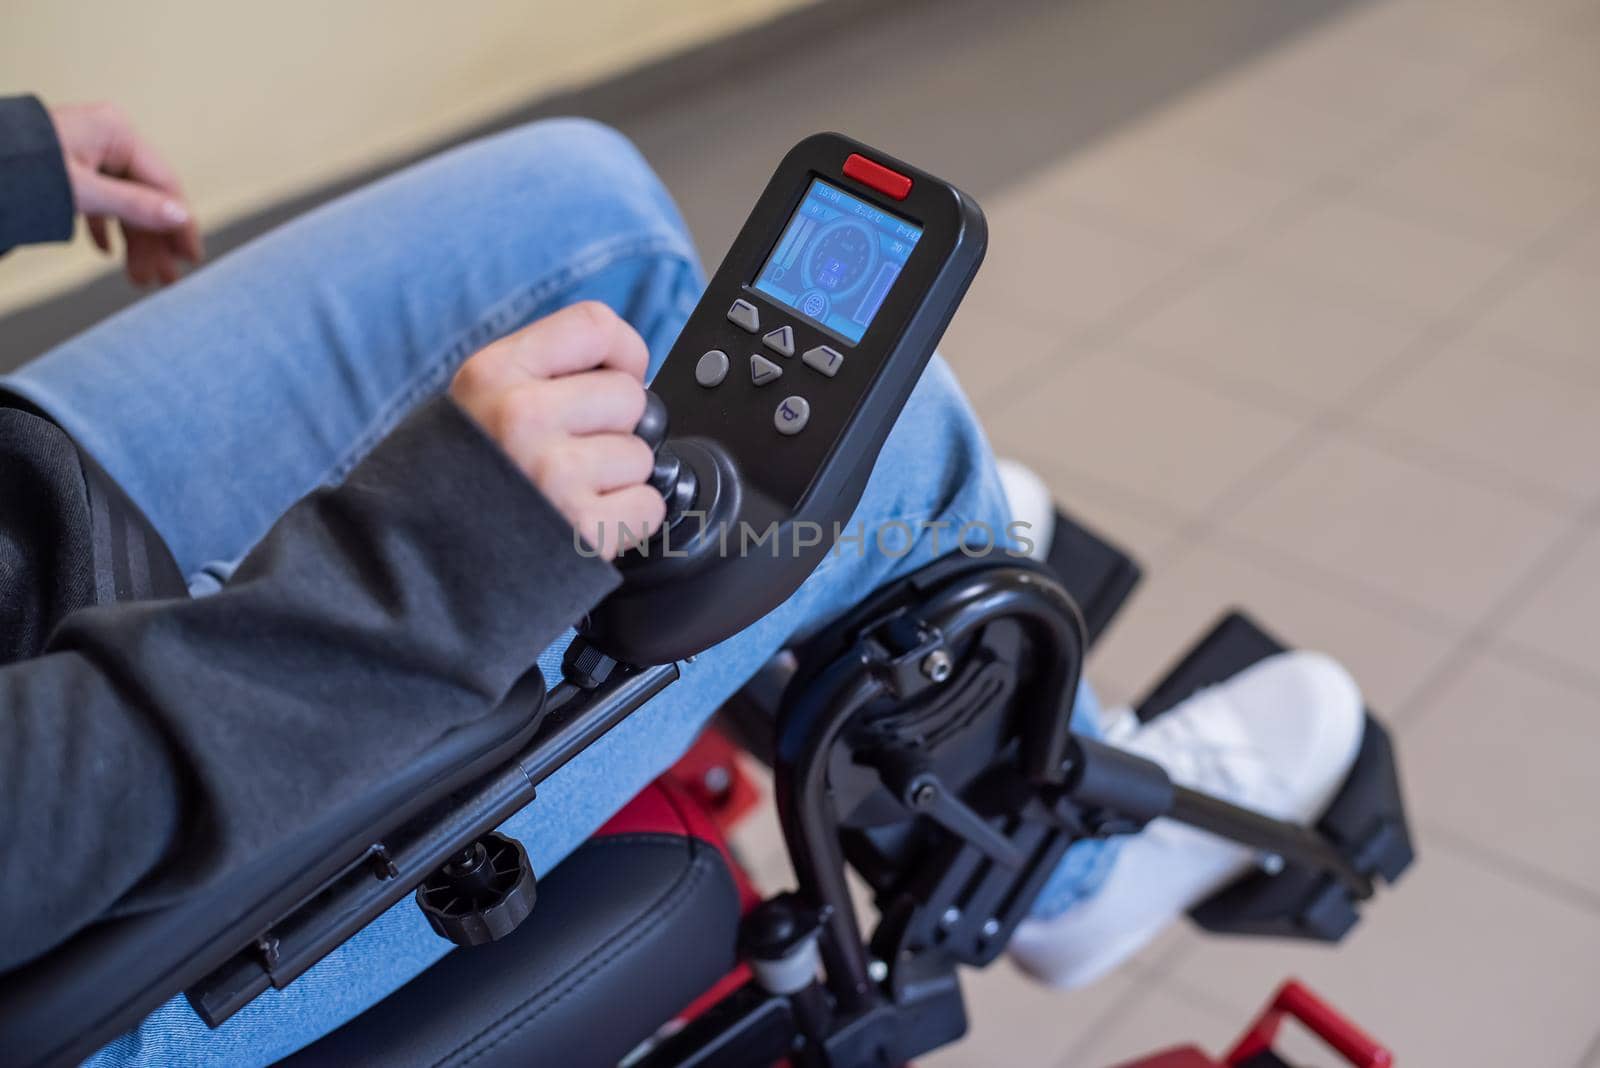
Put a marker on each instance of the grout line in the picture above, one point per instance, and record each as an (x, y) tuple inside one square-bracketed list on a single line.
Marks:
[(1553, 668), (1590, 1058), (1406, 446), (1479, 639), (1513, 869), (1358, 592), (1428, 347)]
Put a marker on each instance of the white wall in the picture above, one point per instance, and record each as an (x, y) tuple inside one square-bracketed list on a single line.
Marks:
[(255, 101)]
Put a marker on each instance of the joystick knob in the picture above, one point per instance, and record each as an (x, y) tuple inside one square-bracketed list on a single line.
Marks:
[(653, 423), (671, 477)]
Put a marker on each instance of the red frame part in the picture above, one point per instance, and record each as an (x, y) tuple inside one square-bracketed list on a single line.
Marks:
[(1296, 999)]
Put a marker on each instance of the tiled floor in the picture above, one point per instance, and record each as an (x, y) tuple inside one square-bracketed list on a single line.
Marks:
[(1323, 339)]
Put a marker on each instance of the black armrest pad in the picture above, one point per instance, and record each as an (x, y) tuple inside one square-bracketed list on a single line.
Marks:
[(626, 932)]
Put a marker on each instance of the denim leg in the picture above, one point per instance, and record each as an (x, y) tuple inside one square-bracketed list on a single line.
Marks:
[(221, 402)]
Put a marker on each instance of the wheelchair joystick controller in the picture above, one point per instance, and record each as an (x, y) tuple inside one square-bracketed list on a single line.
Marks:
[(782, 386), (670, 477)]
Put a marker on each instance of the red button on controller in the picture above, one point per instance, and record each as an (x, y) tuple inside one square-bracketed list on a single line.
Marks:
[(877, 176)]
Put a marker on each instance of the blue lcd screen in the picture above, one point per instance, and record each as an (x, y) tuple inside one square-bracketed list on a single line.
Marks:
[(837, 259)]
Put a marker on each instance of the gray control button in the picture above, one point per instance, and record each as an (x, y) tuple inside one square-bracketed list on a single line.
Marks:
[(712, 368), (823, 359), (780, 340), (744, 314), (792, 415), (763, 370)]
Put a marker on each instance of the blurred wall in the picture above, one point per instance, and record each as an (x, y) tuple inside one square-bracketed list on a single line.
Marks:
[(253, 102)]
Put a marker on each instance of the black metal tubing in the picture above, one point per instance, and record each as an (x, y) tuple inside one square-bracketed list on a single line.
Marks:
[(806, 735), (1290, 841), (575, 719), (811, 722), (1034, 598)]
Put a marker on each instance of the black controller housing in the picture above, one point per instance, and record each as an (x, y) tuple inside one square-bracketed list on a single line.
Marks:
[(767, 502)]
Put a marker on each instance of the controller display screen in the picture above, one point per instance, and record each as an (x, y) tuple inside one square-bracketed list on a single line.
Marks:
[(837, 259)]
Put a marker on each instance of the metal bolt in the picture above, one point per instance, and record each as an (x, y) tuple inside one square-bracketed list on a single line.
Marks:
[(991, 927), (1271, 863), (877, 971), (717, 779), (951, 917), (924, 795), (936, 666)]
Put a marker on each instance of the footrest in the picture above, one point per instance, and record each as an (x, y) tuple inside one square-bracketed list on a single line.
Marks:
[(1097, 574), (1366, 822)]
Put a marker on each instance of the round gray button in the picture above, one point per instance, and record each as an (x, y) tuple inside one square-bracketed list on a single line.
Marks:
[(712, 368), (792, 415)]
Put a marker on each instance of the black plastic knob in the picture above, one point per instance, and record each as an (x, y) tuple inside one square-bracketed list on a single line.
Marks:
[(482, 894), (652, 425), (670, 477)]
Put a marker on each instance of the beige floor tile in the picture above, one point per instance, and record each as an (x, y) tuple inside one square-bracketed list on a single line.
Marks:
[(1562, 618), (1579, 248), (1062, 269), (1448, 547), (1153, 1020), (1552, 15), (1456, 966), (1555, 311), (1531, 118), (1364, 67), (1389, 657), (1456, 184), (1282, 334), (1150, 435), (1482, 406), (1264, 133), (1148, 535), (1566, 64), (1383, 255), (990, 347), (1162, 188), (1015, 1021), (1505, 759), (1473, 37)]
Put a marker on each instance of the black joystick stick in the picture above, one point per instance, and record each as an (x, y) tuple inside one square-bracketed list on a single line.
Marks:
[(671, 477)]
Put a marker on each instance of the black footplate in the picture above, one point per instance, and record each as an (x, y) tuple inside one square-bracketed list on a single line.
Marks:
[(1099, 576), (1366, 822)]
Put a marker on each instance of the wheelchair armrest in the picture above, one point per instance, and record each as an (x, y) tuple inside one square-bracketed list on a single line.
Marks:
[(637, 923), (63, 1006)]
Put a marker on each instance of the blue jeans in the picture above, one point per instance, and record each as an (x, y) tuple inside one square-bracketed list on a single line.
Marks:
[(220, 402)]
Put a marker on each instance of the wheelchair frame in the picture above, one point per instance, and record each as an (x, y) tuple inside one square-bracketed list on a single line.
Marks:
[(924, 741)]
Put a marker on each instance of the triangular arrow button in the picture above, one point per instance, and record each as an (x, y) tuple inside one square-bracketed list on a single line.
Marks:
[(763, 370), (780, 340)]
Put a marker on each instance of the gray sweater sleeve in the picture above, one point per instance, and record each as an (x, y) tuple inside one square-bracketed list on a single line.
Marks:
[(35, 198), (156, 745)]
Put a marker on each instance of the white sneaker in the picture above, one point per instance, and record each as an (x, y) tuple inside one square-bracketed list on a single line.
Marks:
[(1031, 504), (1279, 738)]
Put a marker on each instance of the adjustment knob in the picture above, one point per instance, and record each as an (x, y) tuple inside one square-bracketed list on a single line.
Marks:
[(482, 893)]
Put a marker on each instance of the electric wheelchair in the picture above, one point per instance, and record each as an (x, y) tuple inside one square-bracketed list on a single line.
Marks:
[(921, 741), (906, 744)]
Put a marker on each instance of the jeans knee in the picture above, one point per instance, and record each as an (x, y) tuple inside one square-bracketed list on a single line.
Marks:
[(594, 170)]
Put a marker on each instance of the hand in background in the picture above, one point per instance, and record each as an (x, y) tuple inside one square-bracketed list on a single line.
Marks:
[(561, 396), (116, 175)]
